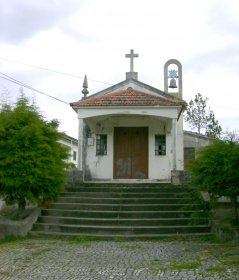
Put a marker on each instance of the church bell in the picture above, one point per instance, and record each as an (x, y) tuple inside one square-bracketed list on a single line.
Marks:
[(173, 83)]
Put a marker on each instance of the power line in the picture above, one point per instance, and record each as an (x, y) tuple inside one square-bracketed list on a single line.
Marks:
[(54, 71), (8, 78)]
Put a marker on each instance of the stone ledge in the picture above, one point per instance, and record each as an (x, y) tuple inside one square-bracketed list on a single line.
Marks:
[(18, 228), (224, 230), (180, 177), (74, 177)]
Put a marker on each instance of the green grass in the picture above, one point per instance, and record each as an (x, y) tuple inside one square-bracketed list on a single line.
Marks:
[(234, 260), (157, 265), (131, 247), (11, 239), (185, 265), (218, 269)]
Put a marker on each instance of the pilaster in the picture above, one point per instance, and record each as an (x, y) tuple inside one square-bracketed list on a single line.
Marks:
[(174, 143), (81, 145)]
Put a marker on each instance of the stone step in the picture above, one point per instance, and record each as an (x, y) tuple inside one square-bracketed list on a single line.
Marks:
[(110, 200), (119, 236), (125, 195), (90, 229), (122, 207), (129, 188), (118, 214), (120, 221), (126, 211)]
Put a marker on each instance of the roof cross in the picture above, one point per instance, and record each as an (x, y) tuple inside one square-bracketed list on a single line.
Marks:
[(131, 55)]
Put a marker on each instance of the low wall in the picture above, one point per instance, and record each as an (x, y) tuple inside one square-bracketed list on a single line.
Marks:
[(181, 177), (74, 177), (2, 203), (18, 228), (222, 222), (221, 218)]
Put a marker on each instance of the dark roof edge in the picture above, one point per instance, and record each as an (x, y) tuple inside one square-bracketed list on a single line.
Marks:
[(68, 137), (199, 135)]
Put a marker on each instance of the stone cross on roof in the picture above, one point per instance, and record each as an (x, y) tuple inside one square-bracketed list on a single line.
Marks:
[(132, 74), (131, 55)]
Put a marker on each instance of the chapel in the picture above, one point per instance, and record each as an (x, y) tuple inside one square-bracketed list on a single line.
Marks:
[(132, 130)]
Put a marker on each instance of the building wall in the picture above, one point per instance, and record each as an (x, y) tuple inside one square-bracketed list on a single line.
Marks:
[(180, 144), (72, 145), (193, 141), (159, 166)]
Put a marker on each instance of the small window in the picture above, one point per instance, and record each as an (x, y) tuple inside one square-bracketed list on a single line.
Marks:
[(160, 145), (74, 155), (101, 144)]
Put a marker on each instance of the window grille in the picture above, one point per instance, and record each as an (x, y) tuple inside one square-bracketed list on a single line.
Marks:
[(101, 144), (160, 145)]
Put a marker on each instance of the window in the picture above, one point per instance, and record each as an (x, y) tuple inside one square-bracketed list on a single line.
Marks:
[(101, 144), (160, 145), (74, 155)]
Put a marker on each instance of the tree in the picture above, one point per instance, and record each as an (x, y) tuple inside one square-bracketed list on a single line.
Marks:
[(31, 160), (231, 136), (216, 171), (201, 118), (213, 129), (5, 97)]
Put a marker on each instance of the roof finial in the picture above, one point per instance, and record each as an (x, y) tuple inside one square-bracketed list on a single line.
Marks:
[(132, 74), (85, 86)]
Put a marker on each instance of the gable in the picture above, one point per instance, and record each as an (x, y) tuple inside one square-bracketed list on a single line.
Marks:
[(129, 93), (135, 84)]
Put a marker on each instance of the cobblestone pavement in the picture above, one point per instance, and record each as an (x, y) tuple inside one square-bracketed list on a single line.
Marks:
[(40, 259)]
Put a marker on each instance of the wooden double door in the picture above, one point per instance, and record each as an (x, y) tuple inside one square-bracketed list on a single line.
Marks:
[(130, 152)]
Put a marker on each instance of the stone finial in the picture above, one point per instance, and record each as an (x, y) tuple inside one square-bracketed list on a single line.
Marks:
[(85, 86)]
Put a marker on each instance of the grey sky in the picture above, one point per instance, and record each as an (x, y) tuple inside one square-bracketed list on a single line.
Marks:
[(21, 20), (92, 37)]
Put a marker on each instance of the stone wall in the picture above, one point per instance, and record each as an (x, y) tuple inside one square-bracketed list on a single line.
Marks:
[(74, 177), (18, 228), (180, 177), (2, 203), (221, 222)]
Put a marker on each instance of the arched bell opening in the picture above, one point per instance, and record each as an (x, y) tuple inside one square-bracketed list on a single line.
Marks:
[(173, 78)]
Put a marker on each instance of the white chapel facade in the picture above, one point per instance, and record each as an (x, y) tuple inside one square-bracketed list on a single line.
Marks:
[(132, 130)]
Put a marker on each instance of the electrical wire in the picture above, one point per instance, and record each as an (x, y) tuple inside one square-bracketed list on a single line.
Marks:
[(54, 71), (8, 78)]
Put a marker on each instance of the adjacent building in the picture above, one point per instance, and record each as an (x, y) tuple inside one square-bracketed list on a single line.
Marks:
[(72, 145)]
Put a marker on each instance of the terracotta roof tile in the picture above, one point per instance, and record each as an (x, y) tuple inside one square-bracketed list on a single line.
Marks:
[(127, 97)]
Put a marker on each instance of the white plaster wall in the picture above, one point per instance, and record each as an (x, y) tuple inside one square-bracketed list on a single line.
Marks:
[(101, 167), (160, 167), (72, 147), (180, 145)]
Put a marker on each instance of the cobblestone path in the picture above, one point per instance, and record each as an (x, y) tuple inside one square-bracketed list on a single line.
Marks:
[(40, 259)]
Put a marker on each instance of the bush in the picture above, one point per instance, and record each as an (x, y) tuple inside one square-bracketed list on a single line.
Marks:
[(216, 170), (31, 160)]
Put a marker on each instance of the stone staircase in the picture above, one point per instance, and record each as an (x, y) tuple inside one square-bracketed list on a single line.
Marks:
[(130, 211)]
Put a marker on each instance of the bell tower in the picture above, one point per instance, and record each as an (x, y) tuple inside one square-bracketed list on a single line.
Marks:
[(173, 78)]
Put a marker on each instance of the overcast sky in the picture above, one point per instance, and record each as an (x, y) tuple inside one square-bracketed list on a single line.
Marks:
[(79, 37)]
